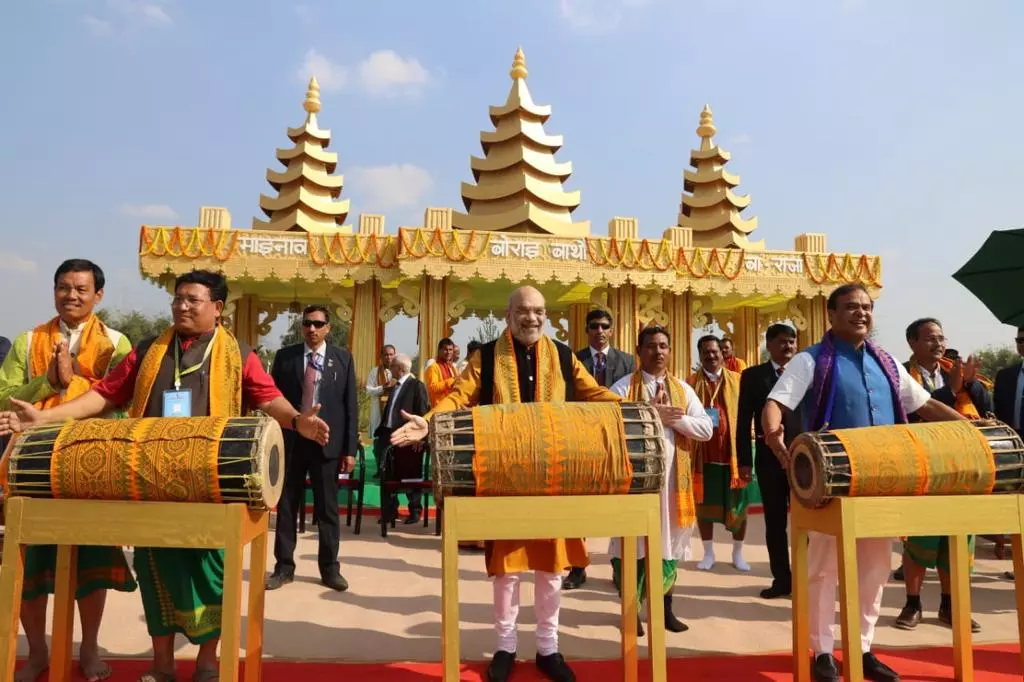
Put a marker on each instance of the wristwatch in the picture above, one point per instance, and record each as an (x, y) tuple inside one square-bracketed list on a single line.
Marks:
[(295, 423)]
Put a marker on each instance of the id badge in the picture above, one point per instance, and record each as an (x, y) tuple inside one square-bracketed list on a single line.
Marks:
[(713, 413), (178, 403)]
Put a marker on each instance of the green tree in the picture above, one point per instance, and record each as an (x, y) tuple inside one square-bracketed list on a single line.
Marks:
[(487, 331), (994, 359), (136, 325)]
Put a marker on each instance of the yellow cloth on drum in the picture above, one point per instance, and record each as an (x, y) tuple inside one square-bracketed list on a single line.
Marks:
[(929, 458), (152, 460), (550, 449)]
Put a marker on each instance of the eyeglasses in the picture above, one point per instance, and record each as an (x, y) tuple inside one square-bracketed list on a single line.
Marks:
[(594, 326), (319, 324), (187, 303)]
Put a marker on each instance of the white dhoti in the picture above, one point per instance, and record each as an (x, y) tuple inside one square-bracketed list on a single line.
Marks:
[(874, 558), (547, 600)]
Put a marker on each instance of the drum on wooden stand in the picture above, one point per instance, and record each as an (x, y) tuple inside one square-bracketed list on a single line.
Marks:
[(978, 457), (196, 459), (547, 449)]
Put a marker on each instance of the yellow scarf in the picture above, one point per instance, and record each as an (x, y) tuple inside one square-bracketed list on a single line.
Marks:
[(686, 509), (731, 399), (550, 386), (225, 374), (94, 353), (963, 403)]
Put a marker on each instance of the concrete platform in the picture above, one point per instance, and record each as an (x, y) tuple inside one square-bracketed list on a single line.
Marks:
[(392, 610)]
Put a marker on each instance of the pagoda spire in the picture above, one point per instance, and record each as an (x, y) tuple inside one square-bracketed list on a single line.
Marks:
[(306, 190), (709, 206), (518, 182)]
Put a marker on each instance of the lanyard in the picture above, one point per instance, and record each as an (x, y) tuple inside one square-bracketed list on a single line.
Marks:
[(718, 388), (178, 372)]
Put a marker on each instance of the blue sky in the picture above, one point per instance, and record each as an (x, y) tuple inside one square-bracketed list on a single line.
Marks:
[(892, 126)]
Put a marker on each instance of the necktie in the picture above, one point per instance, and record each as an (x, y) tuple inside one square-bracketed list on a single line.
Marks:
[(309, 382), (599, 368), (778, 372)]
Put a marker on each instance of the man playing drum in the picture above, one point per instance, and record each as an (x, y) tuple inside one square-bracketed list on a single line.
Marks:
[(196, 368), (846, 381), (521, 366), (652, 383)]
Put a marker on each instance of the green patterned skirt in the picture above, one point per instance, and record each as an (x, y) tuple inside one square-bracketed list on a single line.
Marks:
[(669, 573), (99, 568), (722, 504), (933, 552), (182, 591)]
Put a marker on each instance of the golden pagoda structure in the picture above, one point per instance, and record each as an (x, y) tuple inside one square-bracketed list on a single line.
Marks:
[(709, 206), (517, 228)]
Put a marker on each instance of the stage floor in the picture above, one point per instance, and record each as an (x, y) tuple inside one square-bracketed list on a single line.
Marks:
[(392, 610)]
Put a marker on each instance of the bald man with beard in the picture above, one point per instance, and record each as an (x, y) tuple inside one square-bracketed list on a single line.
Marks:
[(524, 346)]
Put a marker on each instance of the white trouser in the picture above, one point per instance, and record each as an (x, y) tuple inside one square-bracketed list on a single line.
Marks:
[(547, 589), (874, 560)]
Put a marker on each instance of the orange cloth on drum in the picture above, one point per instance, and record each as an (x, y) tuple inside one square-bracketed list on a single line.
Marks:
[(928, 458), (686, 506), (728, 396), (964, 405), (583, 447), (515, 556), (440, 377)]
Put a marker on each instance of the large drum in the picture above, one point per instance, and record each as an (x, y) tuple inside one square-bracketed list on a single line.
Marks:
[(197, 459), (938, 458), (548, 449)]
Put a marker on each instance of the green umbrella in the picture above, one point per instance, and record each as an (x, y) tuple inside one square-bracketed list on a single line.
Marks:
[(995, 274)]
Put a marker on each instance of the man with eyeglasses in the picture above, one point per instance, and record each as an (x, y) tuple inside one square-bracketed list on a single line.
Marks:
[(315, 373), (195, 368), (1008, 394), (607, 365)]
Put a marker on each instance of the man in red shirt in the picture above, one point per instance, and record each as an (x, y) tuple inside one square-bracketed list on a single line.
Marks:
[(196, 368)]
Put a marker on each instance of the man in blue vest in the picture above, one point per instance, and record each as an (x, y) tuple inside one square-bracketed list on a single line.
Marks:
[(846, 381)]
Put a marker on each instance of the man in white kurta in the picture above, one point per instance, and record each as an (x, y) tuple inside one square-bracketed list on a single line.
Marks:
[(652, 383), (378, 387)]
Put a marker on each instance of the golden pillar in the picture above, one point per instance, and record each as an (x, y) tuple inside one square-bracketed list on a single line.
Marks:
[(680, 325), (366, 333), (746, 341), (577, 317), (433, 317), (815, 321), (246, 318), (622, 304)]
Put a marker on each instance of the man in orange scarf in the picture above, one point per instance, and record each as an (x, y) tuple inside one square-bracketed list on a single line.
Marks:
[(719, 484), (958, 385), (195, 368), (523, 366), (56, 362), (729, 359), (440, 376)]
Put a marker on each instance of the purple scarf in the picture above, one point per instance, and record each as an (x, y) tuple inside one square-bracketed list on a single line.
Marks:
[(824, 375)]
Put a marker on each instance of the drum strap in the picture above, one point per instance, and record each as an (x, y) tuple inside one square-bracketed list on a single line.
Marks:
[(487, 372)]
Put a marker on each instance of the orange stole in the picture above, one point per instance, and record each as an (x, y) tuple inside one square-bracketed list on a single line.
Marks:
[(94, 353), (929, 458), (963, 403), (160, 460)]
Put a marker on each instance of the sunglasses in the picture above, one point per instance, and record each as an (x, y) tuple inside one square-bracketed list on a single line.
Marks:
[(599, 325), (319, 324)]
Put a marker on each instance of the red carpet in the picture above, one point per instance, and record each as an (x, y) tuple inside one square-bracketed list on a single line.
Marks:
[(994, 663)]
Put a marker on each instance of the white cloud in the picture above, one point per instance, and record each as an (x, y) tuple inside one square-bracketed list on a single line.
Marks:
[(12, 262), (98, 27), (385, 73), (597, 16), (741, 139), (386, 188), (148, 211), (128, 14), (330, 75)]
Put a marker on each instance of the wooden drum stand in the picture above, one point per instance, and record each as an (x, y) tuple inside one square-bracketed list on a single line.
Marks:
[(73, 523), (850, 518), (536, 518)]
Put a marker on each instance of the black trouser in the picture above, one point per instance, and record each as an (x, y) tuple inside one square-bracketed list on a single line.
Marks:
[(389, 507), (306, 456), (774, 486)]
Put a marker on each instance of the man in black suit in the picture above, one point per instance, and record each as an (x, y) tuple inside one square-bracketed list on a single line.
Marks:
[(308, 374), (1009, 390), (755, 384), (409, 395), (607, 365)]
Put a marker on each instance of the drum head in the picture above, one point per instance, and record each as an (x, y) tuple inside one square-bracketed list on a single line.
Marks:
[(271, 462), (807, 470)]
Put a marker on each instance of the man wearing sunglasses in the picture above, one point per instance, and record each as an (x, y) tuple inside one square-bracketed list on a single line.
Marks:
[(315, 373), (607, 365)]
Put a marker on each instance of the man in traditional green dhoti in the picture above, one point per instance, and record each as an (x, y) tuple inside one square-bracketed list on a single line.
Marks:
[(47, 366), (196, 368)]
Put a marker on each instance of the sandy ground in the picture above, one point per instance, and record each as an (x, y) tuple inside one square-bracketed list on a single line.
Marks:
[(392, 610)]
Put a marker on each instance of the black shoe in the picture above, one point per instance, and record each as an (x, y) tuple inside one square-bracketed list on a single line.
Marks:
[(673, 624), (876, 671), (501, 666), (909, 618), (824, 669), (555, 669), (897, 575), (1009, 575), (278, 579), (946, 618), (575, 579), (414, 517), (335, 582), (775, 592)]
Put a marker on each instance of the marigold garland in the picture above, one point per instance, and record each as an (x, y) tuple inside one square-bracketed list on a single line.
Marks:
[(188, 242)]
